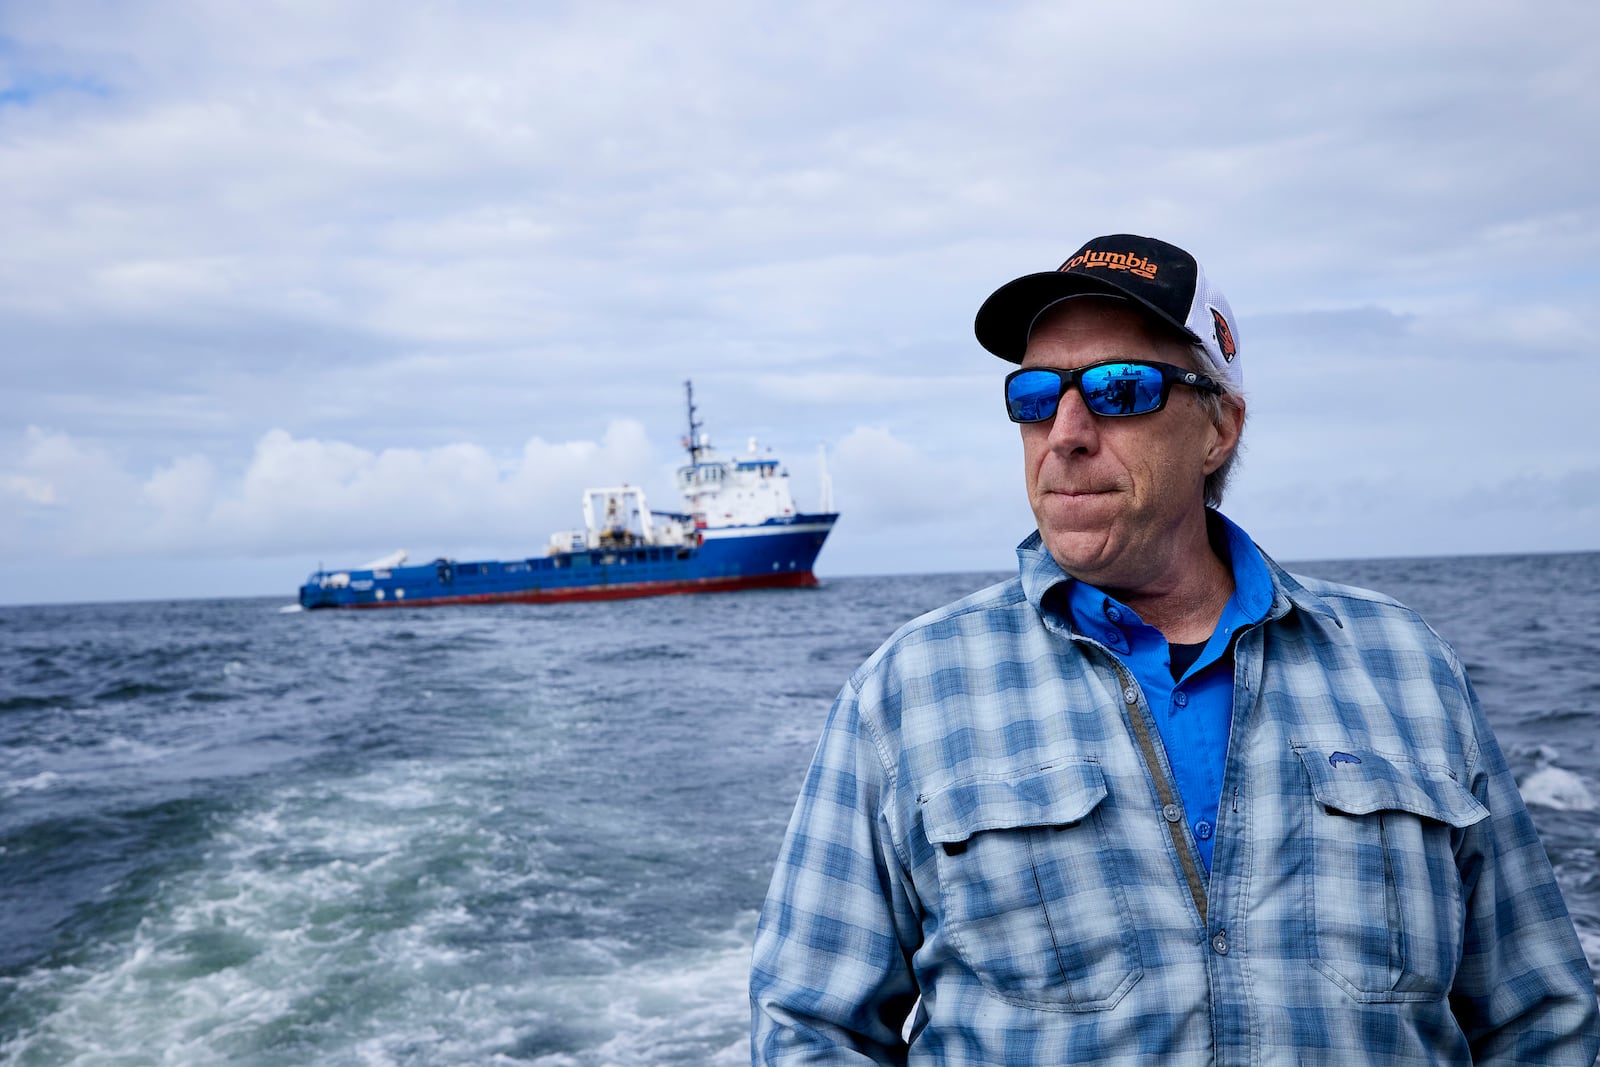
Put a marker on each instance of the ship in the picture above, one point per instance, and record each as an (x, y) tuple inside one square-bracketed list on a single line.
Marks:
[(737, 528)]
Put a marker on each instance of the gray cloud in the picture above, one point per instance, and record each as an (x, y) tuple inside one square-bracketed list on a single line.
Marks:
[(443, 232)]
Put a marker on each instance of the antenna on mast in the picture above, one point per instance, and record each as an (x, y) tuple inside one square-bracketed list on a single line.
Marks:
[(692, 442), (826, 504)]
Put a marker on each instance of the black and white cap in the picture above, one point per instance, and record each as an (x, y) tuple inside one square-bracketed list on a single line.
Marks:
[(1162, 279)]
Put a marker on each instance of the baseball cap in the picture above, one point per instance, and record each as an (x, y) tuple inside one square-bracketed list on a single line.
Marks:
[(1162, 279)]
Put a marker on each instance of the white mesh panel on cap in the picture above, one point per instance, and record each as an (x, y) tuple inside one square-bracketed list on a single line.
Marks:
[(1206, 299)]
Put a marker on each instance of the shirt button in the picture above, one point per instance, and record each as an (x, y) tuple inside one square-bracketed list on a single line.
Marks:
[(1181, 699), (1171, 813), (1202, 830), (1219, 943), (1130, 695), (1113, 612)]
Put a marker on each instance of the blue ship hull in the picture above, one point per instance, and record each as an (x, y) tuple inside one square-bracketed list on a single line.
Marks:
[(778, 553)]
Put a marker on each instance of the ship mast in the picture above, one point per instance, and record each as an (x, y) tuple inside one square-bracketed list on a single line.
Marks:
[(692, 442)]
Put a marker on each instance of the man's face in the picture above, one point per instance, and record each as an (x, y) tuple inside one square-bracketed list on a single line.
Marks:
[(1118, 499)]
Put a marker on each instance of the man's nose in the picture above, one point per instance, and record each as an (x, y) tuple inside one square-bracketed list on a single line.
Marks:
[(1074, 428)]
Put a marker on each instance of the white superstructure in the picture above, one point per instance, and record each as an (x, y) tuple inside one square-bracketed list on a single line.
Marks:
[(721, 498), (744, 491)]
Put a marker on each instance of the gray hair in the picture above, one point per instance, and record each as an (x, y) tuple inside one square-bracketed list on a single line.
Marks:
[(1215, 406)]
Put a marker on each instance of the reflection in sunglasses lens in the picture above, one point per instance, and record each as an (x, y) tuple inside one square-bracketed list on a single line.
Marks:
[(1108, 389), (1032, 395), (1122, 389)]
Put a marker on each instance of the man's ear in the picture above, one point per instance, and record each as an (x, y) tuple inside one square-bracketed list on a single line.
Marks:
[(1227, 439)]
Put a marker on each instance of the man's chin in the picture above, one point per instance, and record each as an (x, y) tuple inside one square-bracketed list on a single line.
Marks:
[(1081, 553)]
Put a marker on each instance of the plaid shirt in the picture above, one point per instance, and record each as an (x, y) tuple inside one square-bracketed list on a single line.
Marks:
[(989, 858)]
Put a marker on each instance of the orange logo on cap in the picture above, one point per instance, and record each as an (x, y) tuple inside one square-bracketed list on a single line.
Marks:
[(1127, 261), (1225, 341)]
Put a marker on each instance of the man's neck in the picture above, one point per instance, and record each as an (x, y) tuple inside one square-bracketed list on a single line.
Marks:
[(1187, 611), (1186, 603)]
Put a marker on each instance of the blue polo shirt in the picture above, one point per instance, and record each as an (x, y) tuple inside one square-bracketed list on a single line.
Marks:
[(1195, 712)]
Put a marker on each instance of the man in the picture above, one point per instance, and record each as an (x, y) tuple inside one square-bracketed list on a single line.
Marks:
[(1155, 800)]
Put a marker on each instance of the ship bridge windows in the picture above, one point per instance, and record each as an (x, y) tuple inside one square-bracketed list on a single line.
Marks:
[(702, 473)]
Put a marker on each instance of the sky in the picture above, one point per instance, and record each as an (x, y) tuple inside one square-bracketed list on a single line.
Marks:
[(285, 284)]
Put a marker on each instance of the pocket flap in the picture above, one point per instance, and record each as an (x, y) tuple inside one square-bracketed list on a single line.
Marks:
[(1054, 795), (1359, 781)]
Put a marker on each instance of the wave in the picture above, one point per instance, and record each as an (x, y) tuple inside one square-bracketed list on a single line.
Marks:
[(38, 782), (1559, 788)]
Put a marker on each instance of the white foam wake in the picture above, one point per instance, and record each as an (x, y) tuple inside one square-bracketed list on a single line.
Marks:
[(1556, 787), (341, 922)]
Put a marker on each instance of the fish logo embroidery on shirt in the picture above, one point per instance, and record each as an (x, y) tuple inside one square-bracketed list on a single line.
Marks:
[(1342, 757)]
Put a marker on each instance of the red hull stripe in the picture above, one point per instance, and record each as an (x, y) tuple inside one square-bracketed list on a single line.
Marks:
[(620, 591)]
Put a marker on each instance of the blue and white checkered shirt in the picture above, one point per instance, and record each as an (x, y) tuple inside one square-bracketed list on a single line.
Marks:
[(989, 863)]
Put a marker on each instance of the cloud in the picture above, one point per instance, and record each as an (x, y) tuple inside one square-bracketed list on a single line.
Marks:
[(303, 496), (57, 472), (907, 509), (1326, 516), (894, 482), (426, 234)]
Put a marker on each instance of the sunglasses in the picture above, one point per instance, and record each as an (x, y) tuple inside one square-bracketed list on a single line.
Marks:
[(1120, 387)]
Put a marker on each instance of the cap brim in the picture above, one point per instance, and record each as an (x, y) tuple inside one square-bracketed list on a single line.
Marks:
[(1006, 317)]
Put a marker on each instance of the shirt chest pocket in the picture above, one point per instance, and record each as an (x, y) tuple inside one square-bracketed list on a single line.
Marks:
[(1030, 894), (1385, 908)]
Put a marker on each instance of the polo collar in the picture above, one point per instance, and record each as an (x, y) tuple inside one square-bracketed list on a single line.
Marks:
[(1046, 585)]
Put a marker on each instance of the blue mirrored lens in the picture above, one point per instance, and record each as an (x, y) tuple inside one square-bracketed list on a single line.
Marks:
[(1121, 389), (1032, 395)]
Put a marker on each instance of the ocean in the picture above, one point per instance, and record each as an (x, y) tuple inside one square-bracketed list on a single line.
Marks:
[(236, 834)]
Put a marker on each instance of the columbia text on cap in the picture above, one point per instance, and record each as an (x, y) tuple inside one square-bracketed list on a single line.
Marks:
[(1162, 279)]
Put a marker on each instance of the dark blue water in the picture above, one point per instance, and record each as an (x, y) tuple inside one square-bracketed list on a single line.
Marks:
[(531, 835)]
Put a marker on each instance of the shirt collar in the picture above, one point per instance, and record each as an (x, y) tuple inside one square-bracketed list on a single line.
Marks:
[(1263, 589), (1253, 592)]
